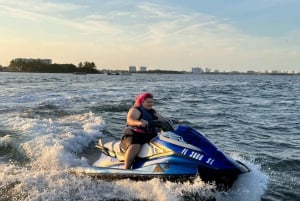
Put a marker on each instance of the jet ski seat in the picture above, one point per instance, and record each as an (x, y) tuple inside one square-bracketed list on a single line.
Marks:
[(114, 149)]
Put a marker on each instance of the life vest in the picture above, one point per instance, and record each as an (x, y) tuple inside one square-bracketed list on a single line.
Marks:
[(147, 115)]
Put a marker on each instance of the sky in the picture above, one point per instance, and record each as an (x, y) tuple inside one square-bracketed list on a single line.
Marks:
[(231, 35)]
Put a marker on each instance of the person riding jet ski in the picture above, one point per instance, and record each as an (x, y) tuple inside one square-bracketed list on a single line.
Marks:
[(152, 148), (138, 130)]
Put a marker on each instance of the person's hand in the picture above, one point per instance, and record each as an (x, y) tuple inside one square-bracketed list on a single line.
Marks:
[(144, 123)]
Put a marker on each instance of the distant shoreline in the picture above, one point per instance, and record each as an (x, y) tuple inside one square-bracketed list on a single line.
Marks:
[(30, 65), (119, 72)]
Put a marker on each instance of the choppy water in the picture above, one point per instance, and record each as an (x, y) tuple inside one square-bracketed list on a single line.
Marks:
[(50, 122)]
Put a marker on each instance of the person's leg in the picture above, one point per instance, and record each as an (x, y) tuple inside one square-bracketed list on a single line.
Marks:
[(131, 149), (126, 139), (130, 155)]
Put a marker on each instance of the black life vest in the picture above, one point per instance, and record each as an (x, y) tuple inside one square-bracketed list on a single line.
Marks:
[(147, 115)]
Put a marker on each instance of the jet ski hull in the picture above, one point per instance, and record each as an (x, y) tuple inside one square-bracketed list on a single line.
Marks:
[(111, 174)]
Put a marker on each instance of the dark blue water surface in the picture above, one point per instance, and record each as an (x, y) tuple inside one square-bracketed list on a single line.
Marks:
[(48, 121)]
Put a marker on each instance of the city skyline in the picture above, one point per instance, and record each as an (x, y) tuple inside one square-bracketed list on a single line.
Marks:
[(169, 35), (132, 68)]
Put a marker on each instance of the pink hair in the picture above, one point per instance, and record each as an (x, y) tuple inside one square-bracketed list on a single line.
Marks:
[(141, 98)]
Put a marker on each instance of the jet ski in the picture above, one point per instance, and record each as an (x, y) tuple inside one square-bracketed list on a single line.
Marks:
[(175, 154)]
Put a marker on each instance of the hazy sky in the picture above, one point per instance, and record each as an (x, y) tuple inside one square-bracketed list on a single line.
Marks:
[(172, 34)]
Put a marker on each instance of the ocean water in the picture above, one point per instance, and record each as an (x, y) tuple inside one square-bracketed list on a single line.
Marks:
[(51, 122)]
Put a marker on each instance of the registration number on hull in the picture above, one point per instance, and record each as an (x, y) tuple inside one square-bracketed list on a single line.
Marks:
[(197, 156)]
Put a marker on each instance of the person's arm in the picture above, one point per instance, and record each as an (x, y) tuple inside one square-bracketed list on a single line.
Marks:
[(133, 118), (161, 118)]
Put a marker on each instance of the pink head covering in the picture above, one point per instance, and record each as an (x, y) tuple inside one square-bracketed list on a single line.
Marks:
[(140, 99)]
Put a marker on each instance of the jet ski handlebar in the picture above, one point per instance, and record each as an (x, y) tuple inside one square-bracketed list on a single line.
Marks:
[(165, 125)]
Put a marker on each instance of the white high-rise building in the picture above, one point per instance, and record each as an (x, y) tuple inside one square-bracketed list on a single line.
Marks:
[(143, 68), (132, 69), (197, 70)]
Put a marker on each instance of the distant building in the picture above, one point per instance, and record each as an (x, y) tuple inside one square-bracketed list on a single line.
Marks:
[(207, 70), (143, 68), (132, 69), (197, 70), (27, 60)]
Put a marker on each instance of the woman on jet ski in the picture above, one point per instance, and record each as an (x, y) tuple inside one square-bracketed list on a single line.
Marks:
[(138, 131)]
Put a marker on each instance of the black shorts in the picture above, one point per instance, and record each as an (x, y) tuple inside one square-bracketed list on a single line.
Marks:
[(136, 138)]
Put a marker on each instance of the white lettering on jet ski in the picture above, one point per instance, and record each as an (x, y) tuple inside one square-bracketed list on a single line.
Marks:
[(192, 154), (184, 151), (210, 161), (196, 155)]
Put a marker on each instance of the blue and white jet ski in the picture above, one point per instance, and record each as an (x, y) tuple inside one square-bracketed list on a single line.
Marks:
[(175, 154)]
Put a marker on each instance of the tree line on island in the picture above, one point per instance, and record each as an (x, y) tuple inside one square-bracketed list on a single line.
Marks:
[(40, 67)]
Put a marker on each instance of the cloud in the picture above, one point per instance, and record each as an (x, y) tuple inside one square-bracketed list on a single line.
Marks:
[(149, 23), (56, 14), (40, 6)]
